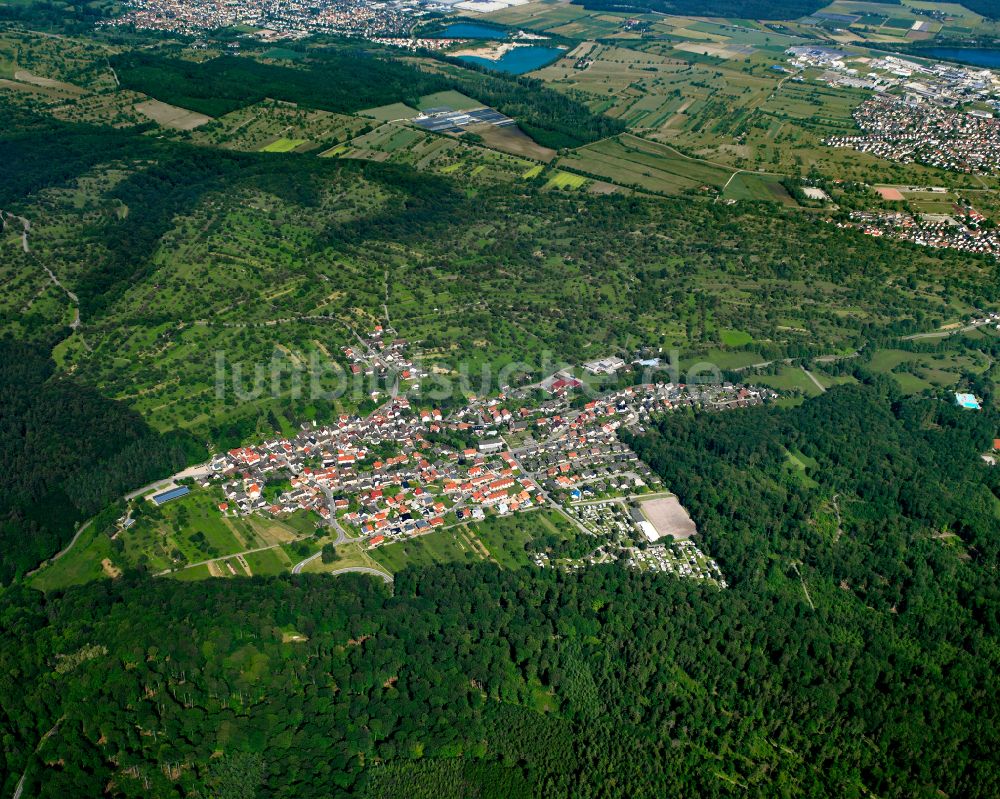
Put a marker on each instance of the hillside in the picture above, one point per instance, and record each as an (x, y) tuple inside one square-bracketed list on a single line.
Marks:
[(183, 248), (376, 422), (854, 653)]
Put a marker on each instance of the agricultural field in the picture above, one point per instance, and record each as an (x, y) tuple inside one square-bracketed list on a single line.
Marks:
[(500, 539), (74, 65), (183, 532), (565, 180), (271, 125), (390, 113), (503, 540), (83, 563), (511, 139), (789, 379), (170, 116), (735, 338), (269, 561), (456, 156), (192, 529), (754, 187), (66, 77), (283, 145), (879, 23), (551, 16), (644, 165), (248, 265), (734, 109), (456, 101)]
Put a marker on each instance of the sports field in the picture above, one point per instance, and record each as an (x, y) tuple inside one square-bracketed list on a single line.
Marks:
[(669, 518)]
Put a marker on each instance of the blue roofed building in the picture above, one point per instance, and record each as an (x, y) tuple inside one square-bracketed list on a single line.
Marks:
[(167, 496)]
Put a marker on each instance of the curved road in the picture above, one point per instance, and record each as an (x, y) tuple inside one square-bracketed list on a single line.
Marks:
[(297, 568), (363, 570), (342, 537)]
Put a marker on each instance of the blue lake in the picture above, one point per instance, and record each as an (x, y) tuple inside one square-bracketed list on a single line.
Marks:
[(519, 60), (465, 30), (967, 55)]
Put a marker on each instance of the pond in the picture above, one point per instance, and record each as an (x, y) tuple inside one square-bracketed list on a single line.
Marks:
[(519, 60), (466, 30), (968, 55)]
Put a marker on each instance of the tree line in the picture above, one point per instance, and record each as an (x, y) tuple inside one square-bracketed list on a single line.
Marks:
[(470, 680), (66, 452)]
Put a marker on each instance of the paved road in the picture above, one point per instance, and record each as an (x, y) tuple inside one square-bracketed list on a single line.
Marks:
[(946, 333), (25, 226), (192, 471), (363, 570), (61, 552), (545, 494), (298, 567), (342, 537), (224, 557), (20, 783)]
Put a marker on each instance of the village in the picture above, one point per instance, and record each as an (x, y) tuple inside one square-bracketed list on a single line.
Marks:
[(962, 230), (406, 470), (907, 131), (937, 114), (289, 20)]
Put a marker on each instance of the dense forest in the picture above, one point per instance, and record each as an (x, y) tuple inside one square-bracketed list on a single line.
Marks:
[(349, 81), (849, 658), (67, 451), (552, 118)]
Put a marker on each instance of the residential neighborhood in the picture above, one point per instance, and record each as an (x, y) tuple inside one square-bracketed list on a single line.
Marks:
[(910, 130), (294, 19), (939, 114), (408, 469), (962, 230)]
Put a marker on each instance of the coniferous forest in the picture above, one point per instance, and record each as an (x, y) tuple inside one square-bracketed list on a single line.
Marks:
[(477, 681), (67, 452), (184, 209)]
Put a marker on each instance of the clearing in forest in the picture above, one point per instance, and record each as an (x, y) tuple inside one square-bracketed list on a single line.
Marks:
[(668, 517)]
